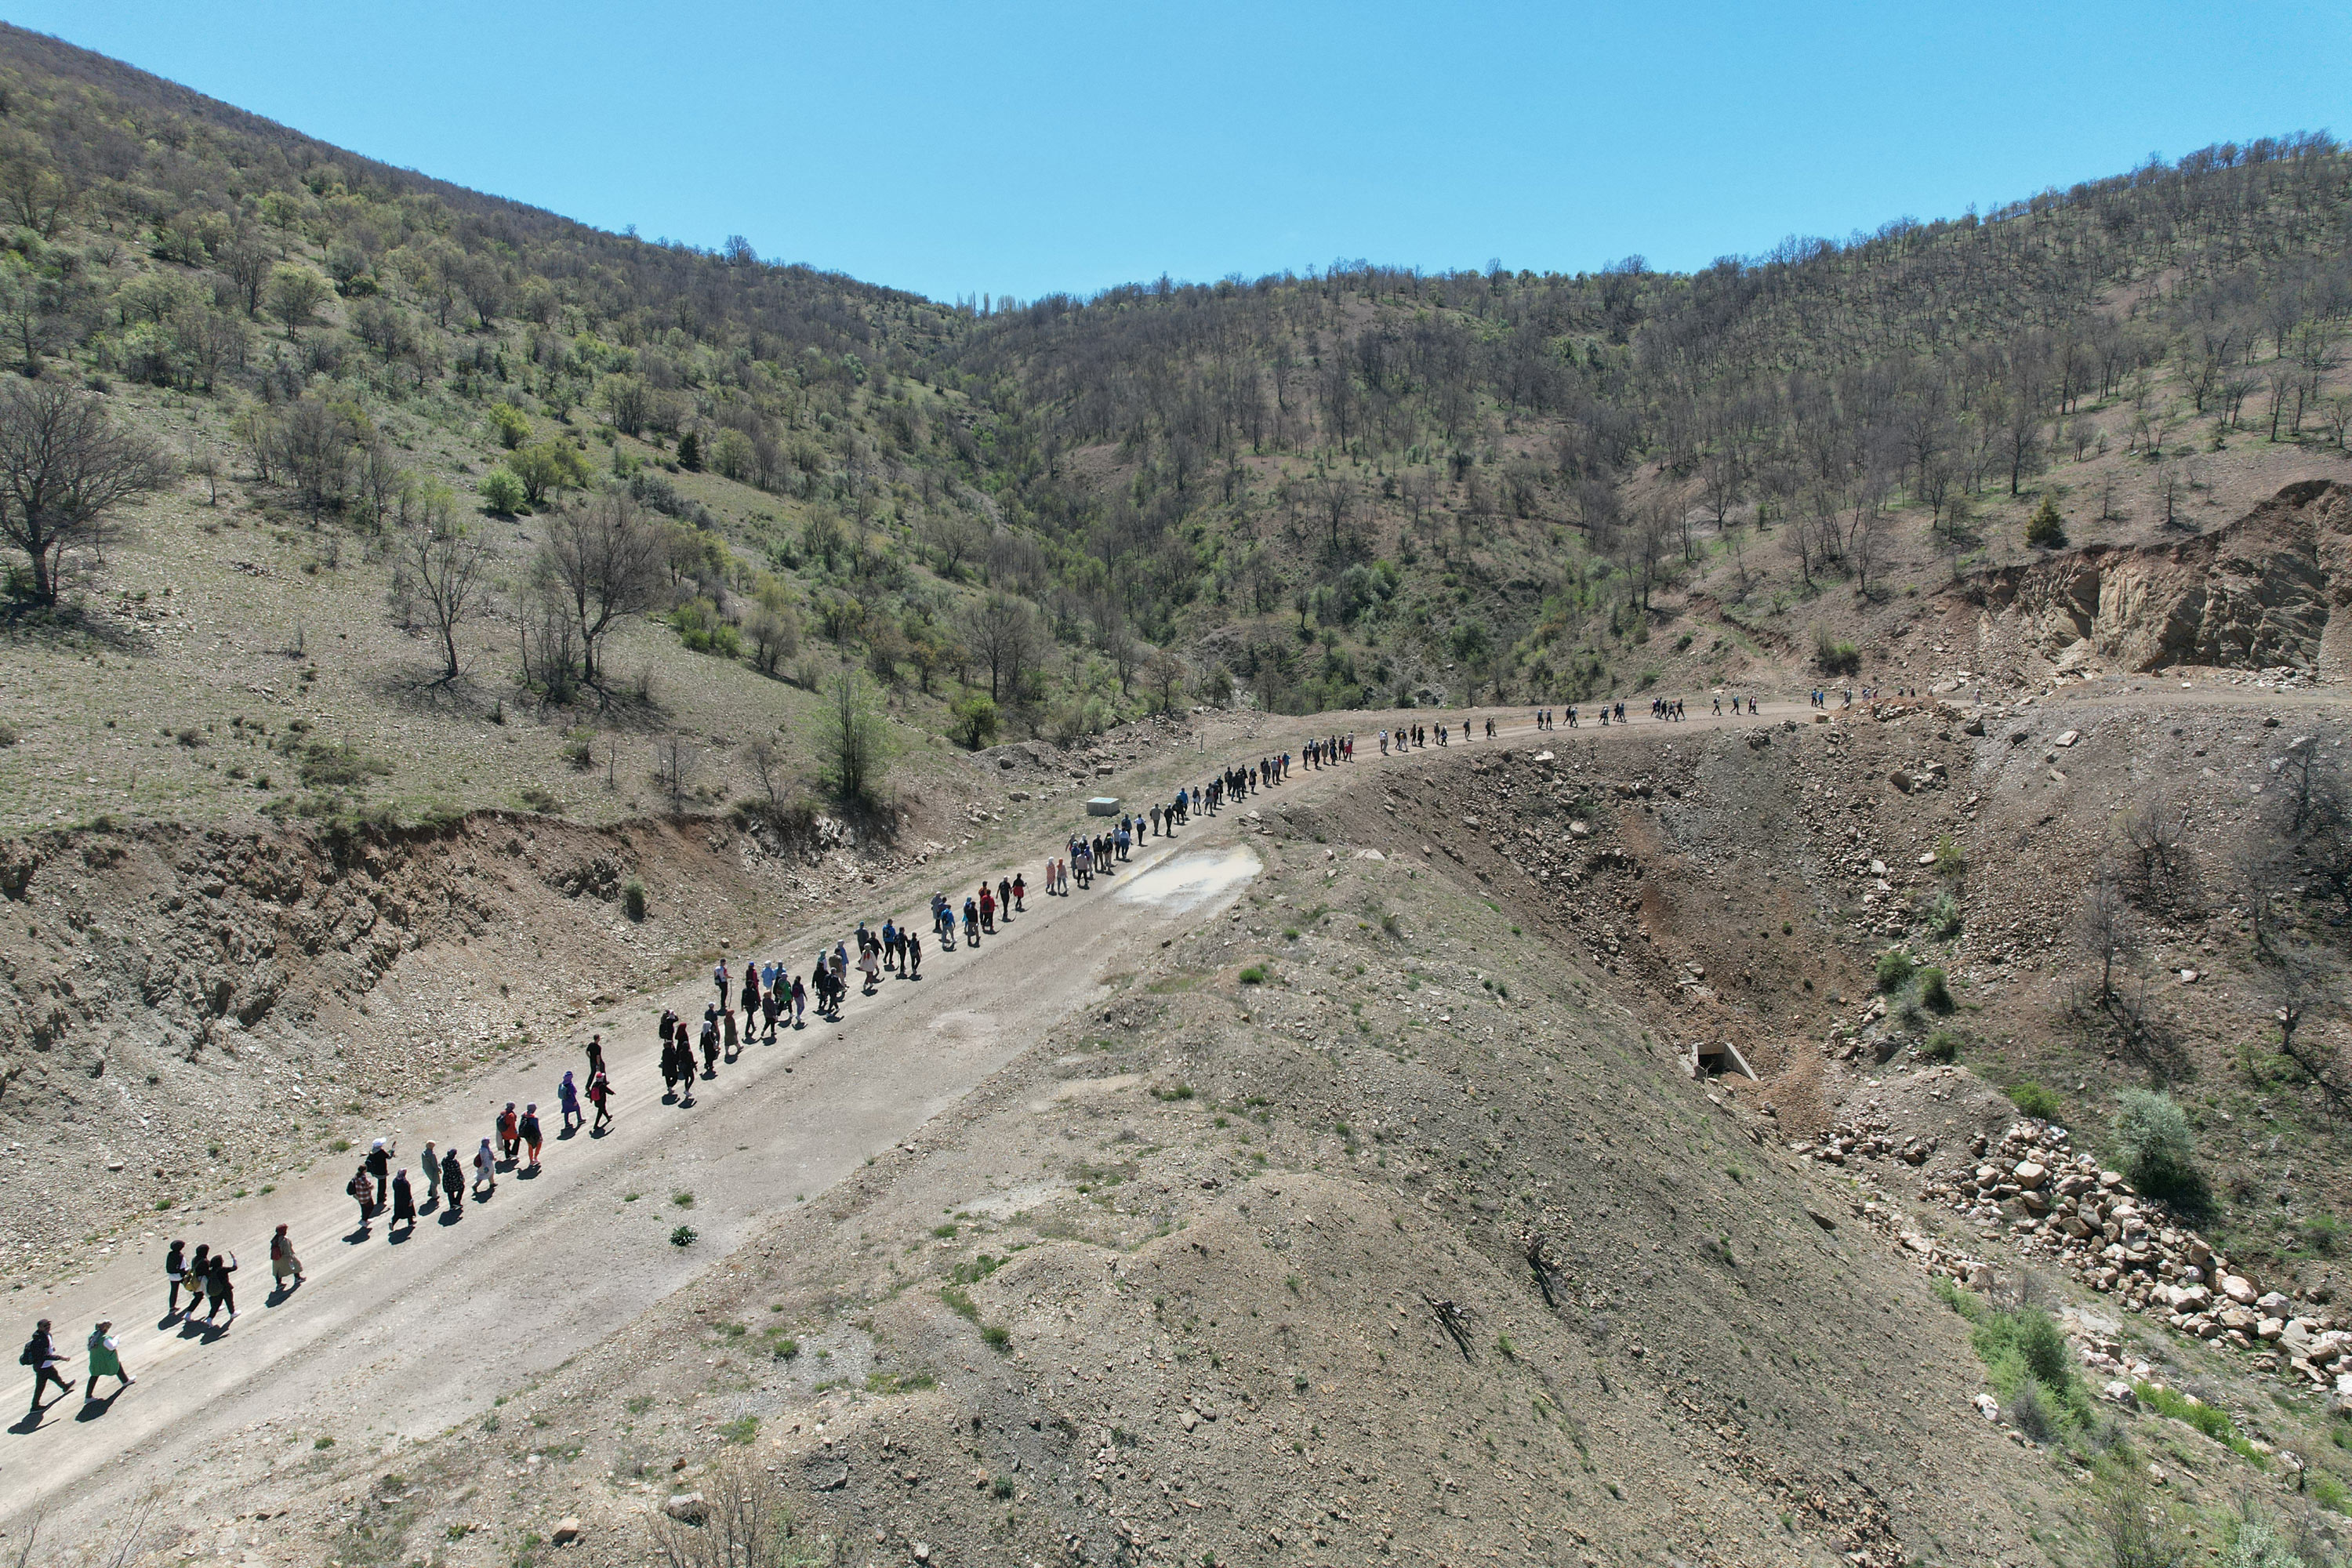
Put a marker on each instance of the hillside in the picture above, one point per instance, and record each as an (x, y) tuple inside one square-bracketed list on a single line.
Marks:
[(1359, 487), (1904, 1128)]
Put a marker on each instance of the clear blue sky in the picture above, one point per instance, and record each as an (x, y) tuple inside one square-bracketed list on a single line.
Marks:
[(1025, 148)]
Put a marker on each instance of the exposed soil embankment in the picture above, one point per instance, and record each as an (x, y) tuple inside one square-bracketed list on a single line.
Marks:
[(2262, 592), (189, 1008)]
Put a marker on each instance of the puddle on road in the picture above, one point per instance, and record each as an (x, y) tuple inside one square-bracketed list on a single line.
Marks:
[(1189, 880)]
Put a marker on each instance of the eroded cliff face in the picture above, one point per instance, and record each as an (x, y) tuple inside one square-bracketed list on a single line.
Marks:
[(2263, 592)]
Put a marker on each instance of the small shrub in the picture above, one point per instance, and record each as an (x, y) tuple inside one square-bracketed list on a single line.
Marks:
[(2045, 529), (683, 1235), (7, 735), (2033, 1099), (1935, 992), (786, 1349), (683, 1200), (1253, 975), (996, 1339), (502, 492), (1944, 917), (579, 748), (2030, 1414), (742, 1429), (1833, 656), (1895, 969), (2323, 1234), (1943, 1046), (1002, 1486), (633, 899), (1950, 859), (2157, 1151)]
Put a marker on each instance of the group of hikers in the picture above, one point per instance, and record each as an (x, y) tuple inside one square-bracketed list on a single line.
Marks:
[(767, 996)]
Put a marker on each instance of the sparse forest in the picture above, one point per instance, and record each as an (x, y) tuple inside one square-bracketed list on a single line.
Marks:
[(1361, 486)]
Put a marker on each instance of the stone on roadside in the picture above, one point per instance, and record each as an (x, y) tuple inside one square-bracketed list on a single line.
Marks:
[(566, 1531)]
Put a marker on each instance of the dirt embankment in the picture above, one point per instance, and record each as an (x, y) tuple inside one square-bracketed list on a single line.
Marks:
[(2264, 592), (188, 1010), (1169, 1289)]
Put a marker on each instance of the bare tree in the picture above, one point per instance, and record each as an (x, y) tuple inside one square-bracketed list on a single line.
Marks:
[(744, 1522), (767, 767), (66, 467), (673, 770), (442, 572), (1002, 633), (2302, 984), (600, 561), (1166, 674), (2152, 830), (2106, 934)]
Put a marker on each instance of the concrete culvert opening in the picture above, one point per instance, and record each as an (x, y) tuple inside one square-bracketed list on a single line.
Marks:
[(1719, 1058)]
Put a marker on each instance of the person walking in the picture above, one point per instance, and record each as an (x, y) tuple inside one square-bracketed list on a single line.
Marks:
[(362, 1189), (567, 1093), (403, 1203), (595, 1055), (914, 956), (718, 978), (531, 1133), (1020, 892), (485, 1173), (453, 1174), (218, 1292), (285, 1266), (105, 1361), (41, 1354), (379, 1167), (433, 1171), (510, 1135), (800, 1003), (600, 1095), (872, 971), (176, 1274)]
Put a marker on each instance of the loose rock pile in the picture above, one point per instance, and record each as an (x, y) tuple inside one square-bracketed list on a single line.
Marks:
[(2052, 1200)]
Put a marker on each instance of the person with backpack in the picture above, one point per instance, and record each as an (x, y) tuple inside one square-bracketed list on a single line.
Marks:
[(362, 1189), (105, 1361), (510, 1136), (176, 1274), (531, 1133), (600, 1095), (218, 1292), (1020, 893), (285, 1266), (40, 1353), (453, 1174)]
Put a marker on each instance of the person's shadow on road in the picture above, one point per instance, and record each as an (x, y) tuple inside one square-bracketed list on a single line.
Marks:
[(93, 1407)]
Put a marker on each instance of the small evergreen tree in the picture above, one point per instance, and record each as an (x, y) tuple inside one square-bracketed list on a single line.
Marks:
[(689, 452), (2045, 529)]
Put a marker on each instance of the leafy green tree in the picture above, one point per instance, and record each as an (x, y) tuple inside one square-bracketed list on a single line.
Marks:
[(294, 293), (510, 424), (546, 466), (975, 719), (857, 740)]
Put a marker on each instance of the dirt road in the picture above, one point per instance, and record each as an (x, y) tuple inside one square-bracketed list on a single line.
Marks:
[(406, 1337)]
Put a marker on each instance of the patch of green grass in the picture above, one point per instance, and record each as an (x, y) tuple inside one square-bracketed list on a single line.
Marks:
[(998, 1340), (2209, 1419), (1253, 975), (683, 1200), (322, 1442), (2036, 1100), (899, 1382), (943, 1231), (741, 1430)]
